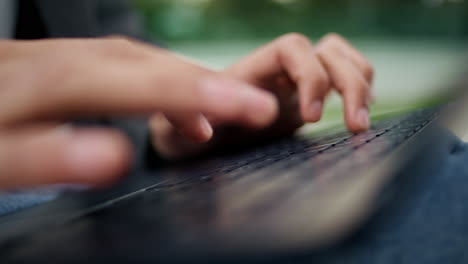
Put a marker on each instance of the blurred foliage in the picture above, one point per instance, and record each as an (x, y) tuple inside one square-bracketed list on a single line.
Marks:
[(234, 19)]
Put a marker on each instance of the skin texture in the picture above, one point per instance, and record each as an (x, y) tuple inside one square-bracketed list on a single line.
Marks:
[(299, 74), (272, 91)]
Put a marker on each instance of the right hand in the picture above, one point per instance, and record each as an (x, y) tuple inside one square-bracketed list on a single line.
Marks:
[(300, 75), (44, 84)]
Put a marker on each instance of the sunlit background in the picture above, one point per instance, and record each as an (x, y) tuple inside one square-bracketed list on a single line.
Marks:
[(417, 46)]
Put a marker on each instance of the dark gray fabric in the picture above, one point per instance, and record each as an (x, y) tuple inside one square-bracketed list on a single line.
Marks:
[(69, 18), (89, 18), (116, 17), (7, 18)]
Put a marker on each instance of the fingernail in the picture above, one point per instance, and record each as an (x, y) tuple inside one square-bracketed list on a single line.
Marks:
[(363, 117), (206, 127), (316, 109), (88, 153)]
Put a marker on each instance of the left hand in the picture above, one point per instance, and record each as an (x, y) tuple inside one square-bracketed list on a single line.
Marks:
[(299, 74)]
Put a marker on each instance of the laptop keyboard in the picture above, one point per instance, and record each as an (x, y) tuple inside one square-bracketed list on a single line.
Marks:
[(259, 177), (218, 194), (319, 152)]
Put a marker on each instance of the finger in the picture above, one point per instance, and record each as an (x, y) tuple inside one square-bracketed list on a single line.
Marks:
[(352, 85), (297, 56), (156, 81), (347, 50), (169, 143), (193, 126), (291, 54), (46, 155)]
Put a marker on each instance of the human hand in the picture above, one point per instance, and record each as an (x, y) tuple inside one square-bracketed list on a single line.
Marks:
[(300, 75), (45, 84)]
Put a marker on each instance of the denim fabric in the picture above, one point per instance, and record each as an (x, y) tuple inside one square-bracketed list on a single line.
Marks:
[(17, 200), (20, 199), (425, 222)]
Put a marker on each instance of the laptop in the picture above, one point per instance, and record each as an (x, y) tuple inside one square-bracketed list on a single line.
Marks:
[(298, 194)]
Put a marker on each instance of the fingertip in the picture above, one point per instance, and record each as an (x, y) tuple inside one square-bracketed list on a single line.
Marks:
[(358, 121), (314, 112), (239, 102), (264, 113), (363, 119), (97, 157), (206, 128), (204, 131)]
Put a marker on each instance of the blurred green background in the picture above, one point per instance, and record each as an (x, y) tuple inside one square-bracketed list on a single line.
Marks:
[(418, 47)]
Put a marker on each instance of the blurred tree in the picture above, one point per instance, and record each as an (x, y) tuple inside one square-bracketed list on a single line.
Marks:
[(232, 19)]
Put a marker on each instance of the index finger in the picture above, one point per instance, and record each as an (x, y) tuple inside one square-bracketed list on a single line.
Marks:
[(96, 81)]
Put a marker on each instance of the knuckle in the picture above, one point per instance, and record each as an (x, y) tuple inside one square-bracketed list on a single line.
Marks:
[(331, 43), (56, 71), (369, 71), (120, 46), (356, 86), (328, 49), (118, 43), (321, 81), (295, 39), (44, 82), (60, 71), (362, 87), (333, 38), (317, 85)]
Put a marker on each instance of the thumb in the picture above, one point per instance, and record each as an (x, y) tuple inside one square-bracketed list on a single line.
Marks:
[(47, 155)]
